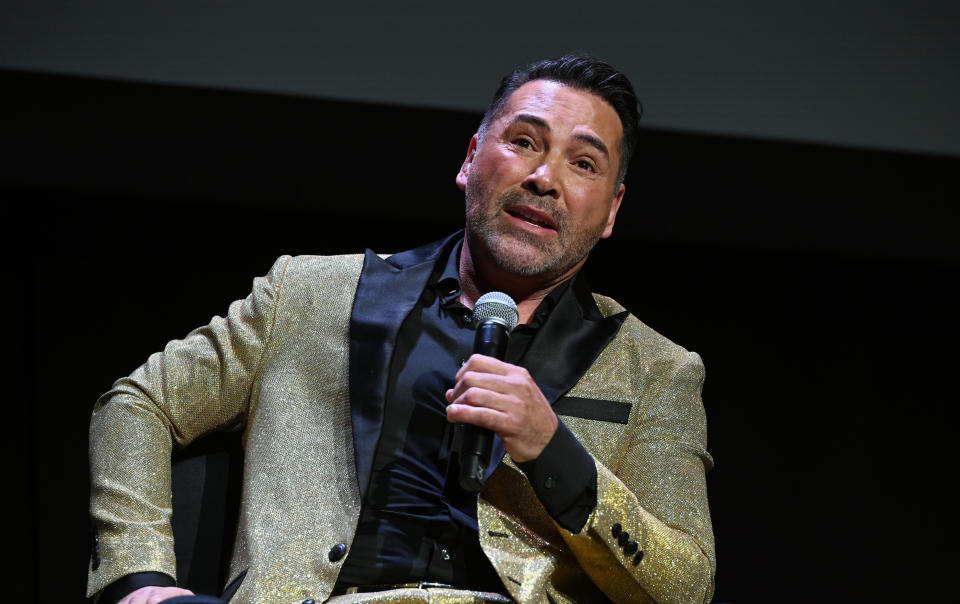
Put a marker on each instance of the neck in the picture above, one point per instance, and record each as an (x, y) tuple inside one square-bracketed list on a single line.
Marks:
[(478, 277)]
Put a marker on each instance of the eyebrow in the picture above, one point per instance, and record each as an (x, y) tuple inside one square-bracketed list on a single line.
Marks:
[(594, 141), (541, 123)]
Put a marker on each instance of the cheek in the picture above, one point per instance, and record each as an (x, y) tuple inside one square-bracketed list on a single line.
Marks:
[(588, 207), (503, 165)]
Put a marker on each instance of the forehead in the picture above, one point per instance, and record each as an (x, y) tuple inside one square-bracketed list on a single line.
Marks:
[(565, 109)]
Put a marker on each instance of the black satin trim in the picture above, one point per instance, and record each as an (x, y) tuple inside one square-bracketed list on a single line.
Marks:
[(386, 293), (593, 408), (128, 584), (232, 587), (570, 341)]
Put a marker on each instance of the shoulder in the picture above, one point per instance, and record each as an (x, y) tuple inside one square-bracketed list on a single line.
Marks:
[(296, 275), (307, 265), (642, 343)]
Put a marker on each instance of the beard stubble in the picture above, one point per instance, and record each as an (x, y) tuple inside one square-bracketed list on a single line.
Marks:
[(519, 252)]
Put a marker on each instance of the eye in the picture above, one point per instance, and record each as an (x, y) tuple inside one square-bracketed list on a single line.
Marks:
[(523, 141), (585, 164)]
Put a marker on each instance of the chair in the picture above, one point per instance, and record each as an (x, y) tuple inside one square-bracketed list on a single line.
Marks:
[(206, 480)]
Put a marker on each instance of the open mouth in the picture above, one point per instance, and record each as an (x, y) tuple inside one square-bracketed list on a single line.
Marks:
[(531, 216)]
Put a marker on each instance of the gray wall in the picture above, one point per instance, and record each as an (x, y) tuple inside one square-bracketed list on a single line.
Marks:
[(878, 74)]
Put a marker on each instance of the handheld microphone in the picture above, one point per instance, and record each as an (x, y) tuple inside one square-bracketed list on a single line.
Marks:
[(495, 315)]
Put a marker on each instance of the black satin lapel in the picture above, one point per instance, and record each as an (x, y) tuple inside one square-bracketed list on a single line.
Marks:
[(570, 341), (385, 296)]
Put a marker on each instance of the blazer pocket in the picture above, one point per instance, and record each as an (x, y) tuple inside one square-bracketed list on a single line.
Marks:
[(593, 408)]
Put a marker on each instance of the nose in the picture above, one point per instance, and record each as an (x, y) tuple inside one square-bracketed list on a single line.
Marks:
[(541, 181)]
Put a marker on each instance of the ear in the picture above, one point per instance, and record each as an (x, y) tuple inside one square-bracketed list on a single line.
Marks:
[(465, 168), (614, 207)]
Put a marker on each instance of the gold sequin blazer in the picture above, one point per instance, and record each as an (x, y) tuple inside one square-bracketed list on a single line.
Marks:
[(299, 366)]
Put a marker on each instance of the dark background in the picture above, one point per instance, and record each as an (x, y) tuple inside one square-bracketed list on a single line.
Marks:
[(876, 73), (815, 281)]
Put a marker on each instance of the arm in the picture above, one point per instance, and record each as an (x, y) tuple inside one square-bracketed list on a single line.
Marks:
[(657, 498), (657, 493), (195, 386)]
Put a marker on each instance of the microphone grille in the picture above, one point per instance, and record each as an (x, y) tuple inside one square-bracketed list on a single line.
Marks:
[(496, 305)]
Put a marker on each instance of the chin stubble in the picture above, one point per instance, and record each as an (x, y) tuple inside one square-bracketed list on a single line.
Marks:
[(521, 253)]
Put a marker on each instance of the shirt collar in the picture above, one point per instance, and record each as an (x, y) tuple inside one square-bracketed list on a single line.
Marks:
[(445, 280), (445, 284)]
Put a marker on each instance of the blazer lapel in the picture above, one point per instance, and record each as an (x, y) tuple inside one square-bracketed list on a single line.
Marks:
[(568, 343), (386, 293)]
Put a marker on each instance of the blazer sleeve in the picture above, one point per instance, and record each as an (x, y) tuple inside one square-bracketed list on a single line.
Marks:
[(650, 536), (195, 386)]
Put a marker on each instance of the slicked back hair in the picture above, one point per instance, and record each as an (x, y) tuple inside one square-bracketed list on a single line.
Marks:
[(583, 72)]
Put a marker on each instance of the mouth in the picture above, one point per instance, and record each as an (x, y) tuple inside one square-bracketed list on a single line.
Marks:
[(531, 216)]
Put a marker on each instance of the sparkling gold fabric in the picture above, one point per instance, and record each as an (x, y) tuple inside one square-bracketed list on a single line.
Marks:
[(433, 595), (276, 367), (650, 479)]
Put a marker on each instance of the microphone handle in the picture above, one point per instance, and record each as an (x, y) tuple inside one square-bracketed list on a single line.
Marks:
[(476, 443)]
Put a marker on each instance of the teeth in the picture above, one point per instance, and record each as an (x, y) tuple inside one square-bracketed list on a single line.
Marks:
[(531, 220)]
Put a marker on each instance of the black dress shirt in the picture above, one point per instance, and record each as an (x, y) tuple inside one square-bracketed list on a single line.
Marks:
[(417, 524)]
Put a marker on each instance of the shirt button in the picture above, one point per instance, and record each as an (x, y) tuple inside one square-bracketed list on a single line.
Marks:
[(623, 538), (444, 553), (630, 548), (549, 482), (638, 558), (615, 530)]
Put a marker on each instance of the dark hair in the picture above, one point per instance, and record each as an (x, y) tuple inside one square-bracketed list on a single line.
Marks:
[(584, 72)]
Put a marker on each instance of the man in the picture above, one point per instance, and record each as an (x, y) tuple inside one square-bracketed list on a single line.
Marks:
[(345, 373)]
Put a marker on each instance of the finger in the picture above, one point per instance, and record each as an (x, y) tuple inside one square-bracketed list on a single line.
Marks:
[(153, 595), (503, 384), (488, 399), (484, 364), (484, 417), (167, 592)]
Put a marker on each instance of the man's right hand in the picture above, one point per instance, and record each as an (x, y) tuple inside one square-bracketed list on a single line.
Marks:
[(153, 595)]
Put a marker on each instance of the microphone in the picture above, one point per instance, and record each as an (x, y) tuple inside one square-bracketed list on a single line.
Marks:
[(495, 315)]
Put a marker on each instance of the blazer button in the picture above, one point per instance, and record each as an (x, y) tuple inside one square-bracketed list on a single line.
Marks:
[(638, 558), (615, 530), (623, 538), (630, 548), (337, 552)]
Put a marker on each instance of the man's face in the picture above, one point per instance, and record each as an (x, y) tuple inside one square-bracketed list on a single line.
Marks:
[(541, 188)]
